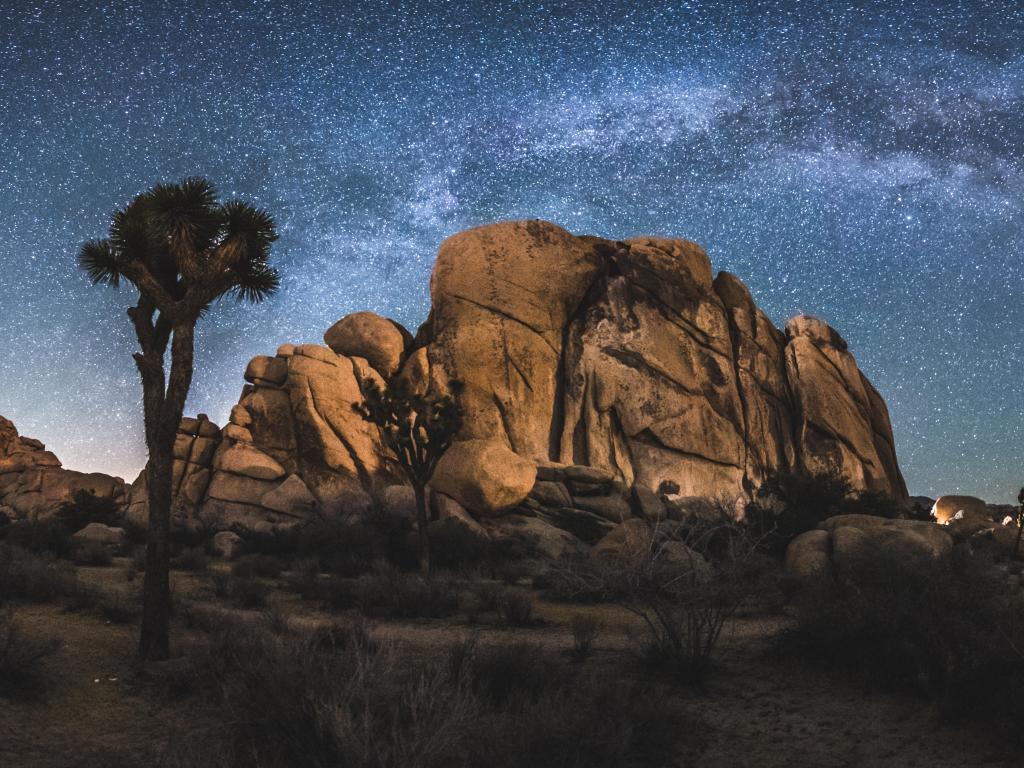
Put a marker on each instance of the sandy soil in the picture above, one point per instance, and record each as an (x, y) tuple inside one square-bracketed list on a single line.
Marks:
[(758, 709)]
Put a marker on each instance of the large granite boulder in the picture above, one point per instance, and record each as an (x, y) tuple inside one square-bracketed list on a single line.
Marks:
[(631, 357), (381, 342), (846, 543), (33, 482), (484, 476), (840, 420), (948, 508), (629, 361)]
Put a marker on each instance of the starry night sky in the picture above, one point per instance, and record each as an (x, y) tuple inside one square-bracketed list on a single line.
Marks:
[(858, 162)]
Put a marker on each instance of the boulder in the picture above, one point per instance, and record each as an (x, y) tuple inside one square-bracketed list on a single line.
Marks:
[(649, 504), (846, 543), (247, 460), (613, 508), (227, 544), (447, 508), (626, 371), (630, 540), (809, 555), (291, 497), (946, 508), (533, 535), (399, 501), (33, 483), (380, 341), (484, 476), (114, 539), (551, 494)]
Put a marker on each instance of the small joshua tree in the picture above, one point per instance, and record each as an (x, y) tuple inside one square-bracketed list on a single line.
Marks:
[(416, 430), (1020, 522)]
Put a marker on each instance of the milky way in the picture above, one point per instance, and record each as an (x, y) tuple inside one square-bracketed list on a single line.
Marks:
[(859, 162)]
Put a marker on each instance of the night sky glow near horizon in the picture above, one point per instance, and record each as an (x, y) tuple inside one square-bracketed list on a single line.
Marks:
[(861, 162)]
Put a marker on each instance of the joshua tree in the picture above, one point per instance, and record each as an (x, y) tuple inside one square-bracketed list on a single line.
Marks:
[(1020, 523), (182, 249), (417, 430)]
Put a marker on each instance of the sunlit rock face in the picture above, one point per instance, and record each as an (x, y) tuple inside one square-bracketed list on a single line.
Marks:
[(630, 357), (629, 360), (33, 483)]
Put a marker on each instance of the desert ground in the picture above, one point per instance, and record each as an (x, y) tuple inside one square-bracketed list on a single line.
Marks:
[(759, 703)]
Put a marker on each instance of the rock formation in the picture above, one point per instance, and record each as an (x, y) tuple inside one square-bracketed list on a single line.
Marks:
[(604, 381), (629, 357), (33, 483)]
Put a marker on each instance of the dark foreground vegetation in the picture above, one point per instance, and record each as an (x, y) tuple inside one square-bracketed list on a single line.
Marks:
[(323, 646)]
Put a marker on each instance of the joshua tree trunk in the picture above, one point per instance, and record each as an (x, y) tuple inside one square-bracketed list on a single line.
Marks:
[(163, 411), (1020, 530), (421, 527)]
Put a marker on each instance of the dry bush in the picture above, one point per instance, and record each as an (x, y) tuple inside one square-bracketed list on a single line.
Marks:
[(248, 593), (340, 697), (25, 575), (386, 592), (515, 608), (92, 553), (949, 630), (253, 566), (191, 559), (683, 603), (585, 629), (21, 660)]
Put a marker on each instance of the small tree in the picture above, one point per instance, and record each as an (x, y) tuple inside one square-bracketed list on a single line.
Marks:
[(416, 430), (182, 249), (1020, 523)]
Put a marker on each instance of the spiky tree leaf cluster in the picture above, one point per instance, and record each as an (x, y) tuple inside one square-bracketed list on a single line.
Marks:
[(182, 250), (416, 429)]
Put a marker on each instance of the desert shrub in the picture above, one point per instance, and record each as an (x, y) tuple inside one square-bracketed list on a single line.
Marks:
[(515, 608), (282, 543), (220, 582), (25, 575), (389, 593), (950, 630), (789, 503), (84, 508), (477, 599), (276, 621), (251, 566), (683, 603), (138, 559), (92, 553), (585, 629), (877, 503), (510, 674), (339, 697), (357, 637), (118, 606), (21, 659), (343, 549), (191, 559), (40, 536), (304, 579), (454, 546), (248, 593)]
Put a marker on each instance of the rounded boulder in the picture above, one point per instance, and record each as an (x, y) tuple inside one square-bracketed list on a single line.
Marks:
[(380, 341), (484, 476)]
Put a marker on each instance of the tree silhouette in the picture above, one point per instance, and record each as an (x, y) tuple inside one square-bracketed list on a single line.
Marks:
[(417, 430), (182, 250), (1020, 523)]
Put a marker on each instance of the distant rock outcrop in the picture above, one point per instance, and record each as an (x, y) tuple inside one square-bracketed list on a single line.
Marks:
[(636, 382), (33, 483)]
